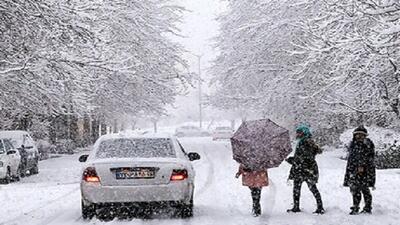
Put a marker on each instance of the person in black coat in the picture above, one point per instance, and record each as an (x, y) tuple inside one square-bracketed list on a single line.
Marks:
[(305, 169), (360, 170)]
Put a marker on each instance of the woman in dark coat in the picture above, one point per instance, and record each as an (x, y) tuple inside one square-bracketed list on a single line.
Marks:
[(360, 170), (305, 168)]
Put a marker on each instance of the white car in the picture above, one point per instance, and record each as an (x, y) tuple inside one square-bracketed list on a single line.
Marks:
[(9, 162), (128, 173), (191, 131), (222, 133), (23, 142)]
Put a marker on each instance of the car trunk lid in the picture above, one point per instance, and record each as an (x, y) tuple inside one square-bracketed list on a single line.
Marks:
[(136, 172)]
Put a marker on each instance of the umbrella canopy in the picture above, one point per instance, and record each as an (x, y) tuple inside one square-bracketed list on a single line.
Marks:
[(260, 144)]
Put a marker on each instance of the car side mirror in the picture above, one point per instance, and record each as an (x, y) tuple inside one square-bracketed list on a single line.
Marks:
[(83, 158), (11, 152), (193, 156)]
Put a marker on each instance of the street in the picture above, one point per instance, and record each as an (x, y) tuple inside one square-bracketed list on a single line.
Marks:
[(53, 196)]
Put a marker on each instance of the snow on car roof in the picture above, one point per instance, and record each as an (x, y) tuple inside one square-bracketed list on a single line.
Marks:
[(144, 134), (159, 160), (12, 133), (134, 134)]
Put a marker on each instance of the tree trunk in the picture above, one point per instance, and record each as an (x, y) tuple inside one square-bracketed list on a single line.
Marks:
[(155, 126), (115, 126)]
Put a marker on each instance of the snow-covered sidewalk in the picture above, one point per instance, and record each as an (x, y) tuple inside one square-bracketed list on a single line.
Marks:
[(53, 196)]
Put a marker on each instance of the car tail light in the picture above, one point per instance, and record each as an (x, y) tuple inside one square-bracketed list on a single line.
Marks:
[(178, 175), (90, 175)]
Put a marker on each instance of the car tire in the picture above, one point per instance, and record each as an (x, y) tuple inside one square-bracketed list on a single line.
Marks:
[(22, 171), (7, 179), (17, 177), (34, 170), (186, 210), (88, 210)]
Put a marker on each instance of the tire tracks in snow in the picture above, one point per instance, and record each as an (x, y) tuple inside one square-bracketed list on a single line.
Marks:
[(210, 176), (49, 203), (55, 216), (269, 202)]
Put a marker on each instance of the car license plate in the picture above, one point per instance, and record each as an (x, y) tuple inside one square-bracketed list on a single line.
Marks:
[(135, 173)]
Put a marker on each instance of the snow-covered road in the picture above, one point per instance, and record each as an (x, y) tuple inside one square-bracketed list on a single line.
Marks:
[(53, 196)]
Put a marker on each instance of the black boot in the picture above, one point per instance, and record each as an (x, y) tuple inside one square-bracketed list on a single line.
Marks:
[(317, 195), (295, 209), (319, 211), (354, 210), (368, 201), (367, 210), (256, 210)]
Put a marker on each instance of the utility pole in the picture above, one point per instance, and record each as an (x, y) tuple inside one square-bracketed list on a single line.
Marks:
[(199, 87), (200, 93)]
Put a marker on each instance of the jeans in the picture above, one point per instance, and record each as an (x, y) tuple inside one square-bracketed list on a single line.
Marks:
[(297, 191), (357, 191), (256, 196)]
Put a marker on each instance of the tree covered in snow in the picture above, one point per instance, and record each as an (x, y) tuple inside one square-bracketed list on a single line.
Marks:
[(253, 70), (137, 66), (327, 63), (36, 74), (352, 49), (102, 58)]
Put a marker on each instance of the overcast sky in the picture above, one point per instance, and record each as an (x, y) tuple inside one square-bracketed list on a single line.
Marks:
[(199, 27)]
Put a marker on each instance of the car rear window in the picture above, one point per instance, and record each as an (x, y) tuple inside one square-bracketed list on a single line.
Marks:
[(16, 142), (136, 148), (223, 128)]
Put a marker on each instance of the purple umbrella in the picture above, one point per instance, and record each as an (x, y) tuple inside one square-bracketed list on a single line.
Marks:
[(260, 144)]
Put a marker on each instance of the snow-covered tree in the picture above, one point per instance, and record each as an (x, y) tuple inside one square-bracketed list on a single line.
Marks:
[(327, 63), (103, 58), (254, 66), (352, 50)]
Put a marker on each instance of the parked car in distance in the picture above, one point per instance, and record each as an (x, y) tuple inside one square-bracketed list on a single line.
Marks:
[(222, 133), (63, 146), (134, 173), (191, 131), (23, 142), (10, 160)]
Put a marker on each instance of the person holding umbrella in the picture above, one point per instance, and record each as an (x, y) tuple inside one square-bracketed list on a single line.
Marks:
[(255, 180), (257, 146), (304, 168), (360, 170)]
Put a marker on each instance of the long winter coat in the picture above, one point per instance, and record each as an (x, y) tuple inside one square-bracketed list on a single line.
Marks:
[(361, 155), (253, 179), (304, 165)]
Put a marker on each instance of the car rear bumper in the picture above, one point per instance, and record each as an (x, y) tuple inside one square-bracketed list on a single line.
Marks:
[(175, 191)]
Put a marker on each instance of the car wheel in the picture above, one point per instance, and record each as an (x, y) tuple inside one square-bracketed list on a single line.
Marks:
[(17, 176), (88, 210), (186, 210), (7, 179), (22, 171), (34, 170)]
